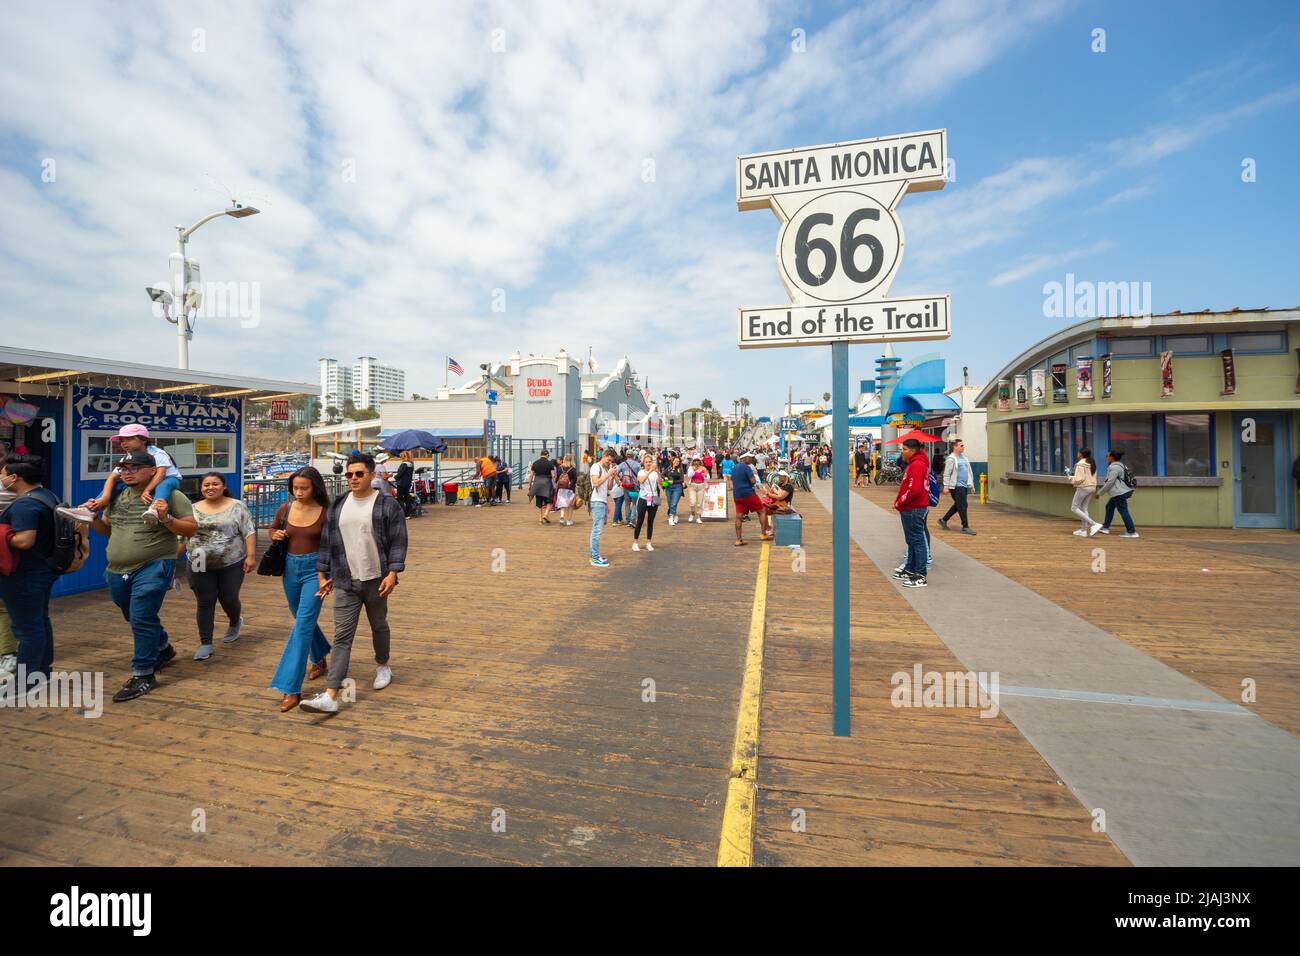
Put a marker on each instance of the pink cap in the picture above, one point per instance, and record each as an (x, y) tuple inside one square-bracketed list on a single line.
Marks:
[(133, 431)]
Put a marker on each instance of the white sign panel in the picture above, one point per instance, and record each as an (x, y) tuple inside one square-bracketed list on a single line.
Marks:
[(841, 242), (912, 161), (911, 319)]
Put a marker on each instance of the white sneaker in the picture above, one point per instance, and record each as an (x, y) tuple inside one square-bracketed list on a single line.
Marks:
[(383, 676), (322, 703), (635, 546), (8, 663), (1096, 526), (649, 546), (1080, 533)]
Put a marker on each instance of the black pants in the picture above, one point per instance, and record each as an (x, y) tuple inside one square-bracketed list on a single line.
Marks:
[(221, 584), (645, 514), (958, 506)]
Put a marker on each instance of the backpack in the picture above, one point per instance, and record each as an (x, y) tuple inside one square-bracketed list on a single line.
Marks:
[(936, 489), (71, 540), (1128, 476), (564, 481)]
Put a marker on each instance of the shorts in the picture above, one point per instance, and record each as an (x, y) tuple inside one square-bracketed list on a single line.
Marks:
[(542, 501), (753, 503)]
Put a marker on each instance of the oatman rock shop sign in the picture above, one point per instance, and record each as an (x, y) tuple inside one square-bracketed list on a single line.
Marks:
[(839, 247)]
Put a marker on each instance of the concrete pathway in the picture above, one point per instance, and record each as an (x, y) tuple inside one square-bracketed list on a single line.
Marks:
[(1185, 777)]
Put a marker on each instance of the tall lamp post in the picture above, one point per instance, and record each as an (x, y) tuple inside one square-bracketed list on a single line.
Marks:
[(189, 299)]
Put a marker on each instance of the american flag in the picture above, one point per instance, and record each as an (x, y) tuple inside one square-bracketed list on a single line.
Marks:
[(454, 366)]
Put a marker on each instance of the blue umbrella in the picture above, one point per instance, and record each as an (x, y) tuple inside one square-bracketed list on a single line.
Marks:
[(412, 439)]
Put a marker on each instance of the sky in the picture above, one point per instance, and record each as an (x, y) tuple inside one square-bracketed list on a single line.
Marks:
[(471, 179)]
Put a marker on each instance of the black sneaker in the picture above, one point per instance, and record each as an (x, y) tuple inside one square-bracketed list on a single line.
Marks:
[(943, 523), (915, 581), (900, 574), (136, 687), (165, 656)]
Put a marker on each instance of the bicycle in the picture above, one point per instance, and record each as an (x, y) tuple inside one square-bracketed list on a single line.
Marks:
[(889, 473)]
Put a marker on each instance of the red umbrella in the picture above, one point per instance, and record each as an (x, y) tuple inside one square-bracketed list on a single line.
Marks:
[(914, 433)]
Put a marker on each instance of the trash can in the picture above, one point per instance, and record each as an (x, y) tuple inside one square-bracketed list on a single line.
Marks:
[(473, 496), (449, 492), (789, 531)]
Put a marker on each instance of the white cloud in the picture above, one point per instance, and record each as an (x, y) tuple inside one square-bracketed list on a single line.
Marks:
[(1031, 264)]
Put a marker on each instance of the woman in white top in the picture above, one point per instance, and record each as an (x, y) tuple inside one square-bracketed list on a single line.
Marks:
[(697, 478), (647, 503), (1084, 480)]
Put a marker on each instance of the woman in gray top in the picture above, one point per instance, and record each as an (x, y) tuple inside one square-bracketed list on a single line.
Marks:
[(1119, 494), (220, 554)]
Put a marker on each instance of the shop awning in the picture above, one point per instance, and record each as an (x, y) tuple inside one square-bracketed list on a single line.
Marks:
[(927, 402)]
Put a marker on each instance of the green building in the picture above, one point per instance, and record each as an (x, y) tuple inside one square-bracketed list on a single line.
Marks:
[(1206, 407)]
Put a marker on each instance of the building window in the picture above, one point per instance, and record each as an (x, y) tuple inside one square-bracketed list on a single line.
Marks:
[(1188, 451), (1139, 346), (1258, 342), (1188, 344), (1058, 445), (1134, 435), (192, 453), (1050, 446)]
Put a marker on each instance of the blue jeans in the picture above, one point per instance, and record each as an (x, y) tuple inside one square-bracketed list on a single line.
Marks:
[(674, 496), (599, 510), (26, 597), (1119, 503), (140, 596), (618, 508), (918, 552), (306, 639)]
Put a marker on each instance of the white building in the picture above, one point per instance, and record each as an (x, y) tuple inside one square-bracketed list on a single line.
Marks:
[(373, 383), (335, 385), (366, 383)]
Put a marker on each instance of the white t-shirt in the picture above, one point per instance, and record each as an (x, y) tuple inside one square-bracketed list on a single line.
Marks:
[(161, 460), (356, 526), (650, 488), (602, 493)]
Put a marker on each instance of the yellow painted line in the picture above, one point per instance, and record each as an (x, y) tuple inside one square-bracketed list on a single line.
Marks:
[(736, 847)]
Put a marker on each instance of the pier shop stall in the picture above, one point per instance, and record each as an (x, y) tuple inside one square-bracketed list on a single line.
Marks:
[(66, 408)]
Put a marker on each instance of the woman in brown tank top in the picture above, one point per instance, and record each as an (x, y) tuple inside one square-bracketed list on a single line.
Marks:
[(300, 522)]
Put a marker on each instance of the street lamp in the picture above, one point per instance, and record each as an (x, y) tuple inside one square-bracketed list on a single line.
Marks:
[(190, 299)]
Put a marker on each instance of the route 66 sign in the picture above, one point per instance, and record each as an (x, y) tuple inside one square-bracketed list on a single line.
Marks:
[(841, 241), (839, 247)]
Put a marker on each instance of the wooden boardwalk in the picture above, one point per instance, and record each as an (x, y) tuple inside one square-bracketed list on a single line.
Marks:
[(1220, 605), (912, 786), (518, 692), (519, 696)]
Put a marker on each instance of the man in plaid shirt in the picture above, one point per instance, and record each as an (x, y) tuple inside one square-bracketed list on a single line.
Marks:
[(362, 547)]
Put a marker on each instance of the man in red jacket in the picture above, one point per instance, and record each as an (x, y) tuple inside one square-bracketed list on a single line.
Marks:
[(913, 504)]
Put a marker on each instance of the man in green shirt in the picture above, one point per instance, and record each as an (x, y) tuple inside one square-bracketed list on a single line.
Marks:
[(141, 562)]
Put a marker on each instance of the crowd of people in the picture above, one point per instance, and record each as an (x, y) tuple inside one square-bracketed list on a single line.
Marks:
[(352, 549)]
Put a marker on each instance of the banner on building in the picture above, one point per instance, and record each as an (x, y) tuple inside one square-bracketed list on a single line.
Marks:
[(1022, 391), (1059, 390), (715, 500), (111, 408), (1004, 394), (1083, 378), (1038, 379), (1229, 373), (1105, 375), (280, 410), (1166, 374)]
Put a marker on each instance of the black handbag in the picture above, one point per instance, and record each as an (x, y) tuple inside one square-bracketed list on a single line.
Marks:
[(273, 561)]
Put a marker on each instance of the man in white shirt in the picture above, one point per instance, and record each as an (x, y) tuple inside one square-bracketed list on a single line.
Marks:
[(362, 548), (604, 478)]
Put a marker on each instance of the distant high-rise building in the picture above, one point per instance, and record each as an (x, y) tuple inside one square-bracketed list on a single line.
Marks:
[(373, 383), (335, 386), (365, 384)]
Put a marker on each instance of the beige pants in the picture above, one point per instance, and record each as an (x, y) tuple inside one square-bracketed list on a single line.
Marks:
[(8, 643), (695, 496)]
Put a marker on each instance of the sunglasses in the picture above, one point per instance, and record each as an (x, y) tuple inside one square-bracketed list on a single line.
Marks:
[(356, 474)]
